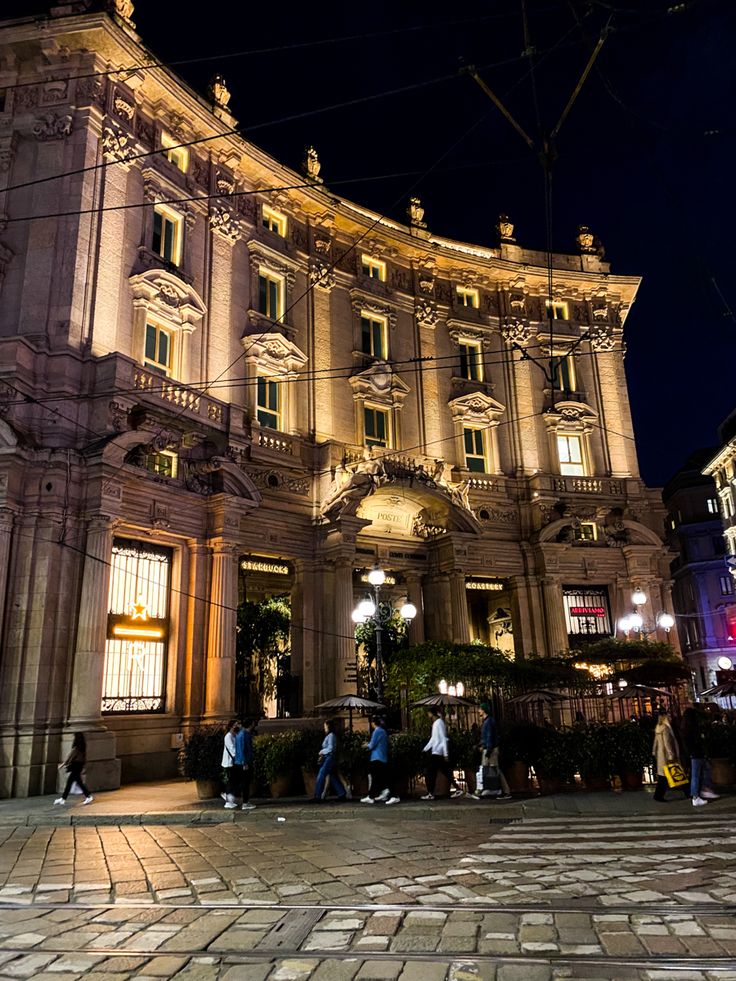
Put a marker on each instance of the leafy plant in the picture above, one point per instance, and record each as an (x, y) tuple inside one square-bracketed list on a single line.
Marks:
[(307, 749), (464, 751), (720, 741), (405, 754), (633, 747), (262, 641), (559, 758), (281, 754), (200, 758), (522, 743), (595, 748)]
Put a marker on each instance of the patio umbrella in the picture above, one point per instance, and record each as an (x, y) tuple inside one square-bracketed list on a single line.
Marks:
[(437, 701), (539, 695), (727, 689), (351, 703), (639, 691)]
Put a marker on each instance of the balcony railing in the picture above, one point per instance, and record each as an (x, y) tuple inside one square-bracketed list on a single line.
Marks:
[(182, 397), (588, 485)]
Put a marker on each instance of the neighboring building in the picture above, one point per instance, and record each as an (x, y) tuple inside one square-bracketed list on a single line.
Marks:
[(703, 587), (216, 383)]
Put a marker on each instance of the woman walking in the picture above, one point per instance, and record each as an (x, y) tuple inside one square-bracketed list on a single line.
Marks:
[(328, 775), (701, 788), (233, 772), (664, 751), (378, 766), (439, 760), (74, 764)]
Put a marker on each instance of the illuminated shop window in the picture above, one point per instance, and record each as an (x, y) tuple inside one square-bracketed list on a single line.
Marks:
[(471, 365), (166, 240), (137, 628), (467, 296), (376, 426), (274, 221), (475, 453), (570, 453), (268, 408), (373, 336), (373, 268), (587, 610)]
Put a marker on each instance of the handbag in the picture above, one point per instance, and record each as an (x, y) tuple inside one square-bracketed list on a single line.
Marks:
[(675, 774), (491, 780)]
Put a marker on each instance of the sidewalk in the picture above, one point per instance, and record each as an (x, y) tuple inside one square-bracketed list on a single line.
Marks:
[(175, 802)]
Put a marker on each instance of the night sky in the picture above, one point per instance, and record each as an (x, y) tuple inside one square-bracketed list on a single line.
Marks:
[(645, 158)]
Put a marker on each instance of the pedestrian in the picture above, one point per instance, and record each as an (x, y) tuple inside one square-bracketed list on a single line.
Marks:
[(378, 765), (232, 771), (244, 756), (691, 731), (664, 751), (74, 764), (328, 775), (490, 752), (439, 760)]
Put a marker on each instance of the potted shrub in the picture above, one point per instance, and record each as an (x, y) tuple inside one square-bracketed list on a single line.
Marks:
[(310, 742), (633, 746), (281, 764), (353, 760), (200, 759), (464, 755), (596, 754), (557, 761), (720, 749), (521, 746), (406, 761)]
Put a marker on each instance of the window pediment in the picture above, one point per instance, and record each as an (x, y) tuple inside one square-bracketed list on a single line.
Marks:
[(476, 407), (167, 296), (274, 352), (380, 384), (575, 415)]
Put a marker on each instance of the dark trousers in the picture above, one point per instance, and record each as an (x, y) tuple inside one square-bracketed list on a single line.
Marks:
[(662, 787), (245, 775), (75, 776), (379, 778), (438, 764), (234, 775)]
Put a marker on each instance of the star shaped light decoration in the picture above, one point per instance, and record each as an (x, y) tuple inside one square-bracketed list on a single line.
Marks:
[(139, 610)]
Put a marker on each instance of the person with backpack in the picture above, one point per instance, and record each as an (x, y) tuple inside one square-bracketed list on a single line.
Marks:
[(75, 763), (439, 761)]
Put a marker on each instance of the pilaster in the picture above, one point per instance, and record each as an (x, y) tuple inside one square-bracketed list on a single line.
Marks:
[(220, 667), (554, 616)]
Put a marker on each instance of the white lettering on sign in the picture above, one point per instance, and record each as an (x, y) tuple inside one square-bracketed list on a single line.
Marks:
[(250, 565), (479, 584), (388, 516)]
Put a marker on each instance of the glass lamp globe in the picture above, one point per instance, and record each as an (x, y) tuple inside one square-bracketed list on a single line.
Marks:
[(376, 577), (358, 616), (408, 611), (636, 621), (442, 687), (666, 621), (460, 688), (725, 663), (624, 624), (638, 597), (366, 608)]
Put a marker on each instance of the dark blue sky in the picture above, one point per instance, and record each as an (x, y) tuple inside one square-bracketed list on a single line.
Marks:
[(645, 158)]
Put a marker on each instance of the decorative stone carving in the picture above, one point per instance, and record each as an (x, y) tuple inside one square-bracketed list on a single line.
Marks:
[(505, 229), (491, 514), (123, 107), (585, 240), (515, 331), (517, 302), (52, 126), (117, 146), (54, 91), (124, 9), (601, 337), (225, 223), (7, 151), (426, 313), (277, 480), (224, 183), (311, 164), (219, 93), (427, 524), (351, 484), (118, 416), (322, 245), (415, 211), (321, 275)]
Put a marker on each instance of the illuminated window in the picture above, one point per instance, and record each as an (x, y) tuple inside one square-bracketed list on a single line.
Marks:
[(563, 373), (268, 409), (177, 155), (373, 336), (558, 308), (373, 268), (587, 531), (570, 454), (166, 240), (712, 505), (159, 349), (137, 628), (274, 221), (471, 364), (376, 426), (164, 463), (467, 296), (271, 295), (587, 610), (475, 452), (726, 585)]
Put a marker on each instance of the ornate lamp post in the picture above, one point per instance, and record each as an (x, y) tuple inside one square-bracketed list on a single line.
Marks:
[(370, 611), (634, 621)]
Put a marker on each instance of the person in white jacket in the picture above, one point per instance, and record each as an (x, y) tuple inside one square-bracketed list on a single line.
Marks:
[(230, 767), (439, 760)]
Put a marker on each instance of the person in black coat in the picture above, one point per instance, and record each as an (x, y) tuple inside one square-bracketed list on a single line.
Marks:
[(693, 742)]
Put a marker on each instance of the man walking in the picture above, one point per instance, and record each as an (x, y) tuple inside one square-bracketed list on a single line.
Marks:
[(378, 765), (490, 752), (439, 760), (244, 759)]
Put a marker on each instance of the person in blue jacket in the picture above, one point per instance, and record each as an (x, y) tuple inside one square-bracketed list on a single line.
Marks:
[(244, 758), (378, 766), (328, 775)]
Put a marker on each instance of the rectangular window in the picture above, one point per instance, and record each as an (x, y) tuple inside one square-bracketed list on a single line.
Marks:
[(570, 453), (712, 503), (587, 610), (376, 426), (471, 365), (726, 585), (373, 337), (475, 452), (159, 349), (166, 234), (467, 296), (563, 373), (177, 155), (270, 295), (558, 308), (274, 221), (164, 463), (373, 268), (137, 628), (268, 409), (587, 531)]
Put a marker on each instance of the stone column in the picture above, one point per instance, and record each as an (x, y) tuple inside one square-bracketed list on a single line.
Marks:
[(344, 664), (459, 601), (220, 669), (6, 533), (196, 656), (88, 669), (520, 618), (414, 595), (554, 616)]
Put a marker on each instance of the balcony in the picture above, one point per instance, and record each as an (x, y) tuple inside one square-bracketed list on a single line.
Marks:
[(588, 485), (162, 391)]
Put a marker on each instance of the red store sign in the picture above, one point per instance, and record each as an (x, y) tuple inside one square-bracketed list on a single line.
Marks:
[(587, 611)]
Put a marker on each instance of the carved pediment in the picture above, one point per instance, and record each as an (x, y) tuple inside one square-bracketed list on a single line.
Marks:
[(476, 407), (274, 352), (168, 295), (379, 382), (570, 413)]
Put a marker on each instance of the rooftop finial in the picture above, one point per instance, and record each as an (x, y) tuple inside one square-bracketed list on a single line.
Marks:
[(124, 10), (219, 93), (415, 211), (505, 229), (311, 164)]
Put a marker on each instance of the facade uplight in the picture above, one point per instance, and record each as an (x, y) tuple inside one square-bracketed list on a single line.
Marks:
[(638, 597)]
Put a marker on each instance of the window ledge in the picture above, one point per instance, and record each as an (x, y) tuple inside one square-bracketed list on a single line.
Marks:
[(465, 386), (148, 259), (259, 323)]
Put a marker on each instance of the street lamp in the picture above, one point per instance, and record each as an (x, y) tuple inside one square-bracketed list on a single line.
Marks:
[(370, 611), (634, 621)]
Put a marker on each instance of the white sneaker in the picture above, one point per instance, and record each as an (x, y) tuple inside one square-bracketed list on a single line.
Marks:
[(427, 797), (230, 805), (710, 795), (392, 800), (59, 800), (88, 800), (367, 800), (698, 801), (487, 793), (457, 793), (223, 795), (384, 796), (248, 807)]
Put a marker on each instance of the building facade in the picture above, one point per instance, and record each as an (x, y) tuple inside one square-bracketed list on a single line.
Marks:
[(218, 379), (703, 587)]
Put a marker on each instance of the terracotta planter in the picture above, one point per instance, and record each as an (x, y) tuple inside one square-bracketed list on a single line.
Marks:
[(517, 777), (207, 789), (310, 782), (282, 786), (632, 780), (724, 773), (358, 783), (596, 782), (549, 785)]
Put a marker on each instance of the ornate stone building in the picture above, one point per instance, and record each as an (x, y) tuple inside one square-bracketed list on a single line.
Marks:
[(218, 379)]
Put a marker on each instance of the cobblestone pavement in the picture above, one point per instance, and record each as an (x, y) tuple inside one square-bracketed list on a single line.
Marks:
[(372, 900)]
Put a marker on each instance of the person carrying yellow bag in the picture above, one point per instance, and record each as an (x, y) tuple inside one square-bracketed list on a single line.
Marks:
[(666, 753)]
